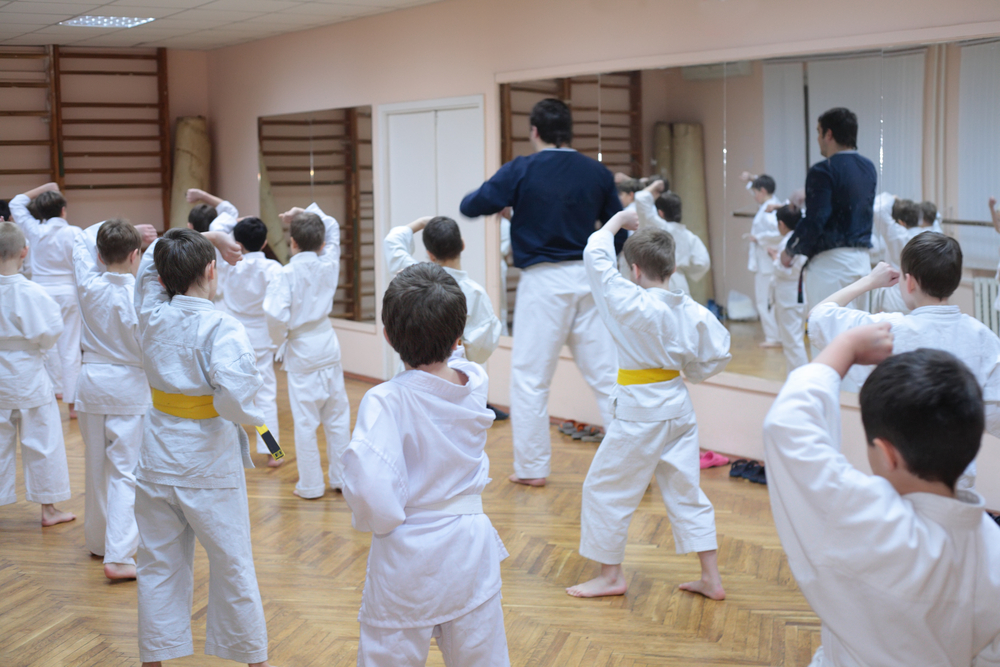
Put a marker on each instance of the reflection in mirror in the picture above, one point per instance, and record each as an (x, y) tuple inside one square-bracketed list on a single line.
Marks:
[(325, 157)]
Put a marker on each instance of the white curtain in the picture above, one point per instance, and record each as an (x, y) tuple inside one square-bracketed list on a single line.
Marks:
[(785, 133), (978, 150)]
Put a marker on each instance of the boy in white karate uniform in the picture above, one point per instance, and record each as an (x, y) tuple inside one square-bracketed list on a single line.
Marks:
[(896, 221), (209, 212), (298, 302), (189, 479), (443, 241), (243, 288), (414, 474), (51, 241), (931, 270), (763, 237), (112, 393), (657, 333), (691, 255), (30, 323), (900, 566), (789, 311)]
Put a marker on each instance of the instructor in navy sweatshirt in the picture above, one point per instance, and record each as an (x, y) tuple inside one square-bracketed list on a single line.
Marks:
[(559, 198)]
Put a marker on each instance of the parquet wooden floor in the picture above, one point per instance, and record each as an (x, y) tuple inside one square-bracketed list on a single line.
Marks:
[(57, 608)]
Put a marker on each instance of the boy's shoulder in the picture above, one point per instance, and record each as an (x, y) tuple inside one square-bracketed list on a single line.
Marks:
[(19, 284)]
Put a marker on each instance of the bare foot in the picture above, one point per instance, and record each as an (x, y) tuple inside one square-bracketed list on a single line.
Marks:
[(611, 581), (119, 571), (534, 481), (296, 492), (274, 463), (769, 344), (711, 590), (259, 664), (152, 664), (51, 516), (58, 397)]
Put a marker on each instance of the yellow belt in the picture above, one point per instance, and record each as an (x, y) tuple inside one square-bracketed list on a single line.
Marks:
[(646, 376), (185, 407)]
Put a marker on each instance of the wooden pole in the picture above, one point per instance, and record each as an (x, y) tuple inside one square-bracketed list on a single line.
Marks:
[(164, 118)]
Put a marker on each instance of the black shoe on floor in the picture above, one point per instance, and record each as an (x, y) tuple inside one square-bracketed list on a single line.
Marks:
[(499, 415)]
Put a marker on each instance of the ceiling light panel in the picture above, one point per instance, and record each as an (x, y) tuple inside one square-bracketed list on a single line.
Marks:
[(106, 21)]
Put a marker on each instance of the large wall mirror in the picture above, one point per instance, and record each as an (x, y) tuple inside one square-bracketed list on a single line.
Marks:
[(928, 116), (325, 157)]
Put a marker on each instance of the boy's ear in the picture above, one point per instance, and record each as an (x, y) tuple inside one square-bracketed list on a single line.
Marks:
[(210, 271), (263, 246), (912, 285), (636, 273), (463, 245), (889, 455), (431, 257), (24, 252)]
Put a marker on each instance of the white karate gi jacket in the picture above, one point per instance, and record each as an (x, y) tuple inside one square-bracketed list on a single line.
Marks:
[(30, 323), (298, 302), (894, 235), (191, 348), (897, 581), (938, 327), (420, 440), (691, 257), (653, 329), (242, 288), (765, 229), (482, 328), (786, 278), (112, 381), (51, 244)]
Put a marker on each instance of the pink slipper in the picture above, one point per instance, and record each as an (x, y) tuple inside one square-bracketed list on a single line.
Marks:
[(712, 460)]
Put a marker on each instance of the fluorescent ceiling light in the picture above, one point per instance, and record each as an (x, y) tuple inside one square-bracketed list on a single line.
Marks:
[(106, 21)]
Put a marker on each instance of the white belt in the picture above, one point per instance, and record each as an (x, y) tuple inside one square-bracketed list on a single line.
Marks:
[(96, 358), (457, 506), (54, 279), (18, 345), (310, 328)]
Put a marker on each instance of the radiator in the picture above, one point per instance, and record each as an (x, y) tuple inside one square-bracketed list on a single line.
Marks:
[(984, 294)]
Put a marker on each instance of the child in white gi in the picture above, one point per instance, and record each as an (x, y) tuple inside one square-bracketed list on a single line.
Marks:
[(189, 479), (657, 333), (789, 312), (443, 241), (30, 323), (243, 288), (298, 303), (112, 393), (896, 221), (900, 566), (209, 212), (691, 255), (51, 241), (931, 270), (413, 475), (764, 236)]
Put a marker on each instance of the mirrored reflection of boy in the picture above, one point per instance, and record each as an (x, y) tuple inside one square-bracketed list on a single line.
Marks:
[(789, 312), (900, 566)]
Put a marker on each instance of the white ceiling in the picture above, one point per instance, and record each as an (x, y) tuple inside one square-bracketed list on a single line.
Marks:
[(179, 24)]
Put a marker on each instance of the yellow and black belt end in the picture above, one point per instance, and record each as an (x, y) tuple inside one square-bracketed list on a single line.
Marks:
[(272, 444)]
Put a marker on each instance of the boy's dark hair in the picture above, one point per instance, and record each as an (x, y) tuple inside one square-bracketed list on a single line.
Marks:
[(929, 405), (553, 120), (424, 313), (935, 262), (844, 125), (928, 211), (670, 205), (649, 180), (116, 239), (443, 239), (765, 183), (181, 256), (629, 186), (653, 251), (201, 216), (48, 205), (11, 240), (251, 233), (789, 215), (308, 231), (4, 209), (906, 212)]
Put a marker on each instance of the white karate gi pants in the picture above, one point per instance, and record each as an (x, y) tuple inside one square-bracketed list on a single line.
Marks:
[(832, 270), (43, 455), (169, 519), (477, 639), (112, 450), (554, 307), (762, 294), (64, 370), (791, 333), (628, 457), (267, 397), (319, 398)]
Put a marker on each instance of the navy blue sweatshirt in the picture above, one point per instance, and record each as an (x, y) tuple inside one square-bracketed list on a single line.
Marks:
[(558, 196), (840, 195)]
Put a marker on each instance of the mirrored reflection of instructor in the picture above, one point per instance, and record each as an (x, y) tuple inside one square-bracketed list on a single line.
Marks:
[(835, 232), (558, 196)]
